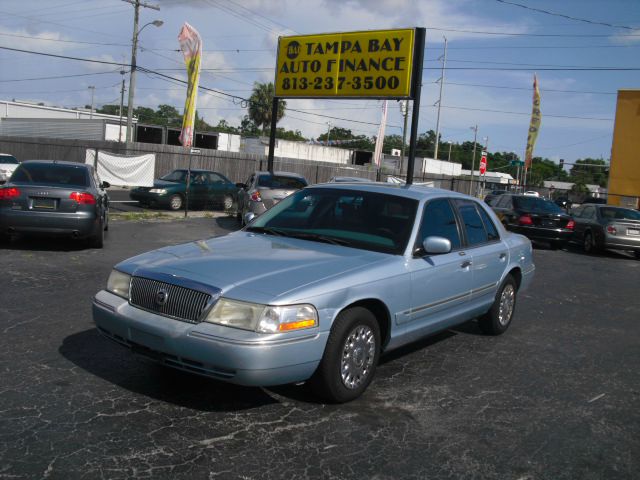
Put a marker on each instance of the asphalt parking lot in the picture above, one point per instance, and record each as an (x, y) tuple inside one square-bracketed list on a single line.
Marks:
[(556, 397)]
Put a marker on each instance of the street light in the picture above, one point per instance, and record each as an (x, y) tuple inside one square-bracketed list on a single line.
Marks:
[(132, 75)]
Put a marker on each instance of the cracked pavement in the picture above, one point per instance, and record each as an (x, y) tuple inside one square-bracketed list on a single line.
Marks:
[(556, 397)]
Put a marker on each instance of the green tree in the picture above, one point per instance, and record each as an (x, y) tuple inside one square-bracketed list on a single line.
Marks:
[(294, 135), (590, 171), (248, 128), (260, 103), (111, 110)]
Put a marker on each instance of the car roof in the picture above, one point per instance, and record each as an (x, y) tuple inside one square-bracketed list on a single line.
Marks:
[(282, 174), (416, 192), (59, 162)]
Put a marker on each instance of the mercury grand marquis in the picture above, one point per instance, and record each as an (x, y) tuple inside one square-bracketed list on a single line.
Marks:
[(317, 287)]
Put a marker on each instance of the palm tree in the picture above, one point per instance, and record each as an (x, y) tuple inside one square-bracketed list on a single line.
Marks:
[(259, 107)]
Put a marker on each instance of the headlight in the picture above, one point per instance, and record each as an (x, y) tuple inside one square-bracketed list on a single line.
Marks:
[(263, 318), (159, 191), (119, 284)]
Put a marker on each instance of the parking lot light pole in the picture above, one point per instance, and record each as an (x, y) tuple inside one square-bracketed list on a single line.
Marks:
[(134, 47), (473, 159)]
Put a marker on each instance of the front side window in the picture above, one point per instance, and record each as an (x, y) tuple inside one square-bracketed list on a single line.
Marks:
[(51, 174), (439, 220), (178, 176), (492, 231), (472, 223), (9, 159), (358, 219)]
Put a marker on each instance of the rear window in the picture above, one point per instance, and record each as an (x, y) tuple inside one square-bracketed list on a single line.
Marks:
[(281, 181), (51, 174), (9, 159), (612, 213), (536, 205)]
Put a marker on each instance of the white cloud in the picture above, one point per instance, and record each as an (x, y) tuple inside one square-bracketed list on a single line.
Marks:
[(41, 42)]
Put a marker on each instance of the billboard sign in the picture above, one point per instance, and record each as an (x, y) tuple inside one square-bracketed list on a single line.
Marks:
[(368, 64)]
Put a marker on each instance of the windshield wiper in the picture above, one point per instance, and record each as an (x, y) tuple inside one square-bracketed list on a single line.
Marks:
[(319, 238), (269, 230)]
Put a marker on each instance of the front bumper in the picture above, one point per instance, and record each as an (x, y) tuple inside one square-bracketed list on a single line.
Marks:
[(80, 224), (150, 198), (209, 349)]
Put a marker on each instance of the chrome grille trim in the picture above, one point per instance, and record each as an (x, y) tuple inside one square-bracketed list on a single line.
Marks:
[(187, 301)]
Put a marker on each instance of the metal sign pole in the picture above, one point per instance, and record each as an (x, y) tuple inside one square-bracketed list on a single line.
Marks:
[(418, 57), (272, 134)]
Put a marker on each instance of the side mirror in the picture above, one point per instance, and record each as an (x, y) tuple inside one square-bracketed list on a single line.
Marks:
[(240, 185), (436, 245), (249, 217), (105, 185)]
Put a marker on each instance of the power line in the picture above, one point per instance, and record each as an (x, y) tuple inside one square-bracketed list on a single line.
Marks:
[(522, 113), (514, 34), (529, 89), (55, 23), (33, 37), (547, 69), (552, 47), (58, 77), (547, 12), (525, 64)]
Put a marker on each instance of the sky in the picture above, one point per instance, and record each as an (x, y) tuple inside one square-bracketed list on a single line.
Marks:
[(494, 49)]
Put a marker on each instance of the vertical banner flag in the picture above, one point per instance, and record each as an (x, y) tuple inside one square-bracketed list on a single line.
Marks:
[(534, 126), (377, 156), (191, 46)]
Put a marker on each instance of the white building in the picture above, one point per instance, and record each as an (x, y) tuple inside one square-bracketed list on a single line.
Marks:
[(300, 150)]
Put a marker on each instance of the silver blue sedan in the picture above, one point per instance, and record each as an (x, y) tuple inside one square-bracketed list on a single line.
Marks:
[(317, 287)]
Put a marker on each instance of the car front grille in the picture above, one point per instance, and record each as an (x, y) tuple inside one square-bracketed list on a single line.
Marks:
[(170, 300)]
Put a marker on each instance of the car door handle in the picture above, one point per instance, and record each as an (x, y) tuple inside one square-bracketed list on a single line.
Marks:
[(502, 256), (465, 264)]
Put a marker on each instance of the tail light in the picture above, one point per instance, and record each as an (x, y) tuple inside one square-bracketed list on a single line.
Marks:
[(570, 225), (83, 198), (525, 220), (9, 193), (255, 197), (612, 230)]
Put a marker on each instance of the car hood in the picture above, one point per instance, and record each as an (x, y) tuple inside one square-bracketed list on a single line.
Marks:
[(255, 267)]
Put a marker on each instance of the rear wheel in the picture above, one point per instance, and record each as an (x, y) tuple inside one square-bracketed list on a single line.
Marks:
[(350, 357), (588, 244), (498, 318), (227, 203), (175, 202), (97, 241)]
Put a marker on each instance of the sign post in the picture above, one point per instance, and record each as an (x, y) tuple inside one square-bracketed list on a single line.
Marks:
[(380, 64)]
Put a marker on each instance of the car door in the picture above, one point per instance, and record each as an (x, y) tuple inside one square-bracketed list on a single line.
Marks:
[(198, 189), (489, 255), (440, 284)]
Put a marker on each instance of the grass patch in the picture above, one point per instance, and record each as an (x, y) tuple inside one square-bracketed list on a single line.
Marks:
[(141, 216)]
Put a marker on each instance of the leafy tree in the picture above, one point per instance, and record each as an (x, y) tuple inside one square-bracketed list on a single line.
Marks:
[(590, 171), (224, 127), (259, 107), (349, 140), (579, 192), (112, 110), (289, 134), (248, 128)]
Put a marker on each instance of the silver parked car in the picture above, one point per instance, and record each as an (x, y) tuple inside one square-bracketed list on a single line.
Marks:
[(317, 287), (262, 190), (604, 226), (8, 164)]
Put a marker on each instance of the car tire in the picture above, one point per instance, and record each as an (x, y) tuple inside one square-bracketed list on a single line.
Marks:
[(97, 241), (227, 203), (175, 202), (637, 254), (106, 221), (588, 243), (350, 357), (497, 320)]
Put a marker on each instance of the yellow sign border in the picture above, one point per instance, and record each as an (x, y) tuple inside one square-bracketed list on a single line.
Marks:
[(343, 51)]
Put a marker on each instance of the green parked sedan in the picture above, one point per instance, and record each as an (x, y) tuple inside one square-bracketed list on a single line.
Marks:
[(207, 189)]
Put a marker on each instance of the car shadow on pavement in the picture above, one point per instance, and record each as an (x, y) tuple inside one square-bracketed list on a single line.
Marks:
[(228, 223), (114, 364), (44, 243)]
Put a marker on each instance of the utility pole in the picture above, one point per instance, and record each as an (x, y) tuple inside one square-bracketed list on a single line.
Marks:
[(93, 91), (444, 65), (328, 132), (449, 157), (404, 110), (122, 72), (473, 159), (134, 47)]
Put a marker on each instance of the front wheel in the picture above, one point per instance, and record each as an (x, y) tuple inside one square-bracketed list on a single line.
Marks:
[(498, 318), (350, 357), (175, 202)]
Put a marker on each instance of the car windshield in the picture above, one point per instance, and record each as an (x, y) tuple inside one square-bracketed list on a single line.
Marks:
[(366, 220), (536, 205), (51, 174), (10, 159), (613, 213), (281, 181), (178, 176)]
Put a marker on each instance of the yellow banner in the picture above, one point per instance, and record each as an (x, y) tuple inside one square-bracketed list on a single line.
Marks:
[(375, 64), (191, 46), (534, 126)]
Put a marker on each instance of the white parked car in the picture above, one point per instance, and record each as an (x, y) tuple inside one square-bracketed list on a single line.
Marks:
[(8, 163), (531, 193)]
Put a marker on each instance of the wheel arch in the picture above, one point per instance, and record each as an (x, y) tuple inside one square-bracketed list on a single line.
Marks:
[(380, 311), (516, 273)]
